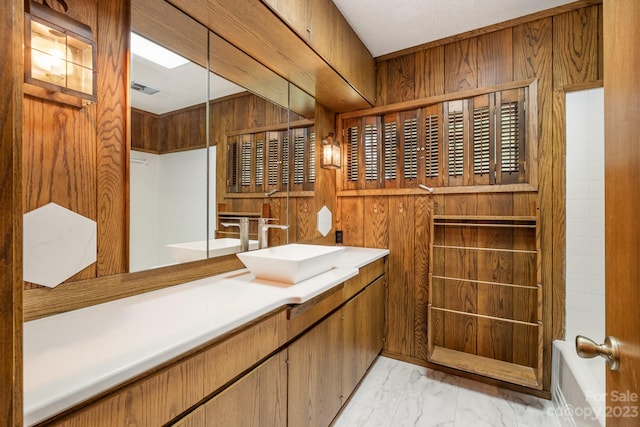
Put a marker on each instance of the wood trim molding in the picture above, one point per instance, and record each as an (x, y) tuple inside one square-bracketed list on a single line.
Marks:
[(491, 28), (44, 302), (11, 76), (422, 102)]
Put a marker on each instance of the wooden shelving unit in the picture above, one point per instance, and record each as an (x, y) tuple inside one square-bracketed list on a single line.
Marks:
[(485, 297)]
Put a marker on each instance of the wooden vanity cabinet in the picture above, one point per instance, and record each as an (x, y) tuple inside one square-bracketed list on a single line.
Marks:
[(295, 366), (258, 399), (327, 363)]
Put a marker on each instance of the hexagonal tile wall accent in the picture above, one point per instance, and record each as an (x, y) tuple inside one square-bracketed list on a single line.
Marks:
[(57, 243), (324, 221)]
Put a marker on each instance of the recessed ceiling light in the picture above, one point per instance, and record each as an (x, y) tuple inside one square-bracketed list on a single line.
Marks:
[(155, 53)]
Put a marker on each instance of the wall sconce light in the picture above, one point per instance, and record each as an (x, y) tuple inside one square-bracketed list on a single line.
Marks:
[(59, 56), (330, 152)]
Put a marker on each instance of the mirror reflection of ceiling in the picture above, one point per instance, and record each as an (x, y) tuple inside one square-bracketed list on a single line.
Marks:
[(178, 88)]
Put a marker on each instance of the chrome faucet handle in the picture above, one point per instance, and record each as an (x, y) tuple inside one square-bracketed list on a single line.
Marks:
[(263, 230), (243, 228)]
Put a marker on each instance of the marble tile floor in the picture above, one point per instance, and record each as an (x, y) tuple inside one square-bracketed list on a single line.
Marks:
[(398, 394)]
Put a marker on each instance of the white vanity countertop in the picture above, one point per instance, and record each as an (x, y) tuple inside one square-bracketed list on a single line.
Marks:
[(72, 356)]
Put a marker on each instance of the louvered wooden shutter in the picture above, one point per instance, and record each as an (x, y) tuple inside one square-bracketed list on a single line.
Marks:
[(299, 148), (432, 151), (232, 164), (409, 147), (284, 160), (371, 151), (260, 147), (311, 158), (350, 150), (482, 139), (510, 141), (390, 150), (454, 142), (273, 170)]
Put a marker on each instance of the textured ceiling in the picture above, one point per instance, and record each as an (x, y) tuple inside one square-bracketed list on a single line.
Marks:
[(384, 26), (387, 26)]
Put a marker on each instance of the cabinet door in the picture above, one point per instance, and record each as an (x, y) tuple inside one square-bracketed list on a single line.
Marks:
[(259, 399), (295, 13), (315, 374), (363, 334)]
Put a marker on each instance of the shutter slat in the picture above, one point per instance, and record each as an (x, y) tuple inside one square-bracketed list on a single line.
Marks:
[(411, 148), (370, 152), (390, 151), (352, 161), (432, 142)]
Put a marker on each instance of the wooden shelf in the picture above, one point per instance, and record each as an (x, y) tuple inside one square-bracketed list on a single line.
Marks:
[(239, 214), (484, 218), (497, 369), (485, 277)]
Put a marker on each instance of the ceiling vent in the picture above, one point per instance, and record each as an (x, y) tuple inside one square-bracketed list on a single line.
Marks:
[(143, 88)]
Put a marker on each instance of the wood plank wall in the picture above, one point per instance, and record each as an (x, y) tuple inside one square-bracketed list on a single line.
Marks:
[(563, 51), (11, 72), (77, 158)]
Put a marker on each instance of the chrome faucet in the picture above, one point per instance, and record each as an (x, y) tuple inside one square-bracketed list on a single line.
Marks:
[(263, 231), (243, 226)]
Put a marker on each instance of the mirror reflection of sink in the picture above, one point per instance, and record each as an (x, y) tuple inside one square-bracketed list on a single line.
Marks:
[(291, 263), (193, 251)]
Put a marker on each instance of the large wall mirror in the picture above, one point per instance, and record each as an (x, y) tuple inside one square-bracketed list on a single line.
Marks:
[(182, 117)]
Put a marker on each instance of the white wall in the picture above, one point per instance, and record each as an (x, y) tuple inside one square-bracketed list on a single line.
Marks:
[(585, 215), (144, 243), (168, 204)]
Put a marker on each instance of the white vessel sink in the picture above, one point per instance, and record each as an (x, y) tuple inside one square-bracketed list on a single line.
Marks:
[(193, 251), (291, 263)]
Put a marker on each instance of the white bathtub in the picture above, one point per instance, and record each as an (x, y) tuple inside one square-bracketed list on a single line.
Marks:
[(577, 387)]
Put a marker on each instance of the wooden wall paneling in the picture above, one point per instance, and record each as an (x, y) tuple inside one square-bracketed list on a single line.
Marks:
[(557, 313), (186, 129), (533, 56), (351, 220), (600, 43), (461, 331), (575, 47), (400, 289), (495, 338), (381, 83), (11, 210), (429, 72), (59, 148), (495, 58), (305, 219), (401, 79), (113, 29), (423, 213), (146, 129), (376, 222), (325, 185), (461, 65)]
